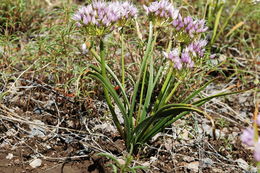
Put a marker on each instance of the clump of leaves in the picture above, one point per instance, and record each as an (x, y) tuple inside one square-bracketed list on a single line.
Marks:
[(143, 116)]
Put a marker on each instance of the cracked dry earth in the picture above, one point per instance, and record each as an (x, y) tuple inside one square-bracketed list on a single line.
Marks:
[(45, 130)]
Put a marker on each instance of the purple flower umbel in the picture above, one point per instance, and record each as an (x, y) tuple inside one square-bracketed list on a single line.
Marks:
[(189, 25), (162, 9), (187, 55), (104, 15)]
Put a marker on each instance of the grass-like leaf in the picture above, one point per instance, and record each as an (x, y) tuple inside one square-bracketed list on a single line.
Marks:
[(154, 122), (196, 92)]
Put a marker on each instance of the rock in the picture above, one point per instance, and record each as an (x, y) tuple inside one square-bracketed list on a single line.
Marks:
[(11, 132), (243, 114), (207, 129), (69, 139), (153, 159), (9, 156), (146, 164), (217, 170), (207, 162), (185, 135), (242, 99), (35, 163), (194, 166), (188, 159), (17, 161), (121, 161), (242, 164), (168, 144), (252, 169), (37, 130), (222, 58), (107, 127), (225, 130)]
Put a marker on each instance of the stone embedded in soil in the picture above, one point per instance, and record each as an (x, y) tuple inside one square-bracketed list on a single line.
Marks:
[(9, 156), (146, 164), (185, 135), (194, 166), (207, 162), (168, 144), (242, 164), (35, 163), (188, 158), (153, 159), (242, 99), (107, 127), (11, 132), (37, 130)]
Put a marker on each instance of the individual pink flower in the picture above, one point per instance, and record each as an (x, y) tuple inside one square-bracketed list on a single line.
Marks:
[(257, 152), (247, 136), (197, 48), (258, 120), (186, 58), (212, 56), (174, 56)]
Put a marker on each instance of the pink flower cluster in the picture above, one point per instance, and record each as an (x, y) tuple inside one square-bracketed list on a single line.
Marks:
[(184, 58), (105, 14), (247, 138), (189, 25), (162, 9)]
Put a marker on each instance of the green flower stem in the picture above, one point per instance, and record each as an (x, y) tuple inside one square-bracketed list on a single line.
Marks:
[(102, 56), (123, 59), (165, 84), (148, 48), (108, 100), (172, 92), (144, 77), (141, 95), (97, 57)]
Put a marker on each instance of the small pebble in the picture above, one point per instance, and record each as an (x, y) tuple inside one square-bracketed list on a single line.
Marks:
[(36, 163), (9, 156)]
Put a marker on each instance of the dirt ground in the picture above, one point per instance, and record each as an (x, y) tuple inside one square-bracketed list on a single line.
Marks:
[(65, 134)]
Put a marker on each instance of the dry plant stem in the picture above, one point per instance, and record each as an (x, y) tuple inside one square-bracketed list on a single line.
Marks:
[(108, 100)]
